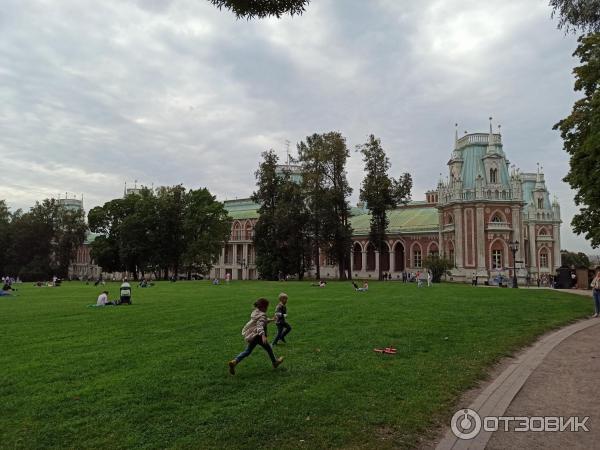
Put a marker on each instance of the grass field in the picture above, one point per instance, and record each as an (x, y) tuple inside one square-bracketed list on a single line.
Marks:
[(153, 375)]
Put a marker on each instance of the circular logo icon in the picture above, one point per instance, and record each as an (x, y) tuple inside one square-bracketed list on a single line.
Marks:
[(466, 424)]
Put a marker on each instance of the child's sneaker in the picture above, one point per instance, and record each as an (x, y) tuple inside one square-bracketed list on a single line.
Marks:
[(232, 365), (277, 362)]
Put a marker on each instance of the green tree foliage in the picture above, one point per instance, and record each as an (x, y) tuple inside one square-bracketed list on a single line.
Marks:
[(41, 242), (159, 231), (170, 245), (250, 9), (281, 234), (574, 15), (323, 158), (5, 219), (381, 192), (206, 226), (580, 132), (438, 266), (572, 259)]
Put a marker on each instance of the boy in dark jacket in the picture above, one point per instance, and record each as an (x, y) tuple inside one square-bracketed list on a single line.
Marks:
[(283, 328)]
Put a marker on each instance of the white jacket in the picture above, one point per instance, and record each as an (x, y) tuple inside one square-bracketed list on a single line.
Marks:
[(256, 326)]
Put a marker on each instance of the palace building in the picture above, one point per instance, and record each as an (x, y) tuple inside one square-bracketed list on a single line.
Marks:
[(472, 218)]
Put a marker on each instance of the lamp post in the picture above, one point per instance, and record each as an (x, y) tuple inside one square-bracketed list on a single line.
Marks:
[(514, 248)]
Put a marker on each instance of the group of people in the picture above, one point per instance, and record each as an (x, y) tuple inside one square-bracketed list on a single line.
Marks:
[(7, 287), (255, 331), (124, 296)]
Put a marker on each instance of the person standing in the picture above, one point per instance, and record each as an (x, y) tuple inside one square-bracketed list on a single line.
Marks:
[(596, 293), (255, 333), (283, 327)]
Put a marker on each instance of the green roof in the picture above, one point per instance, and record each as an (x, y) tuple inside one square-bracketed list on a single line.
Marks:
[(243, 208), (473, 165), (402, 220), (418, 217)]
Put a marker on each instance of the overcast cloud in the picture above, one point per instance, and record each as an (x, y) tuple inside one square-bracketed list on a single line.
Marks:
[(93, 94)]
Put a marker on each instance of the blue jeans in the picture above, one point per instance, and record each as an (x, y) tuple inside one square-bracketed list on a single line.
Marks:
[(253, 343), (597, 300), (283, 329)]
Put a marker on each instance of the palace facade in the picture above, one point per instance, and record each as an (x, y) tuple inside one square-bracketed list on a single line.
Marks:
[(471, 218)]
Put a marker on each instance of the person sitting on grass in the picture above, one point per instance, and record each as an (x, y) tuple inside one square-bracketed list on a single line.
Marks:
[(365, 287), (283, 328), (255, 333), (103, 299), (4, 293)]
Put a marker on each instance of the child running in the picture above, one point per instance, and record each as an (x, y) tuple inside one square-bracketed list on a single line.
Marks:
[(255, 333), (283, 328)]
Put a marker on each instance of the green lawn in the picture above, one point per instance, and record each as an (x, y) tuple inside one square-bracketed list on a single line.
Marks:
[(153, 375)]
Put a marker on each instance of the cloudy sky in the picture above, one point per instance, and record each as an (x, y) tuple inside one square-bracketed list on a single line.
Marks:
[(95, 94)]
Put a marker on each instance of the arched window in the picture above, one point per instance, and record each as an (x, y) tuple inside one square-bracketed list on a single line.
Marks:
[(417, 256), (357, 256), (385, 258), (494, 176), (449, 219), (237, 231), (497, 259), (544, 258), (540, 203), (543, 232), (370, 257), (399, 257), (497, 219), (497, 255), (249, 232)]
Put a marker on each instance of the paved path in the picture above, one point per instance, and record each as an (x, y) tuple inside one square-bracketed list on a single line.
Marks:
[(559, 375), (566, 383)]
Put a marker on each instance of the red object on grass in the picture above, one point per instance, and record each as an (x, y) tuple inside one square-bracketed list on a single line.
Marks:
[(387, 350)]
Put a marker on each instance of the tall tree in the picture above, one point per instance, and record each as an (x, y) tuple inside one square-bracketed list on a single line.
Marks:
[(5, 219), (170, 243), (312, 156), (281, 236), (323, 158), (262, 8), (580, 132), (69, 234), (206, 226), (292, 229), (44, 240), (574, 15), (268, 185), (577, 260), (381, 192)]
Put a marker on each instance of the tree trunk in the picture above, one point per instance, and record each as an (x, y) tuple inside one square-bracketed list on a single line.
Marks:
[(317, 263), (349, 266)]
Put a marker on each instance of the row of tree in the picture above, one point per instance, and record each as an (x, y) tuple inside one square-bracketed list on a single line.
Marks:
[(40, 243), (160, 231), (301, 218)]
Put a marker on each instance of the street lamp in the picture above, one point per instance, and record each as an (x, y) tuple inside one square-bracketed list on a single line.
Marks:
[(514, 248)]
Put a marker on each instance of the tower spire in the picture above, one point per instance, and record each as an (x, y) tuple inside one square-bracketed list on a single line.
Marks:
[(455, 136), (491, 142)]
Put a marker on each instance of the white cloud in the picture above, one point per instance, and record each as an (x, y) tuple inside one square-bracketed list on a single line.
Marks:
[(176, 91)]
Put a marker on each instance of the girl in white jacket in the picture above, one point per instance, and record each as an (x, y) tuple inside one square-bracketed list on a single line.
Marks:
[(255, 333)]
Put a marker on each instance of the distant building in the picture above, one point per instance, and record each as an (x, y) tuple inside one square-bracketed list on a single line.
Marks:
[(469, 219), (72, 204)]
